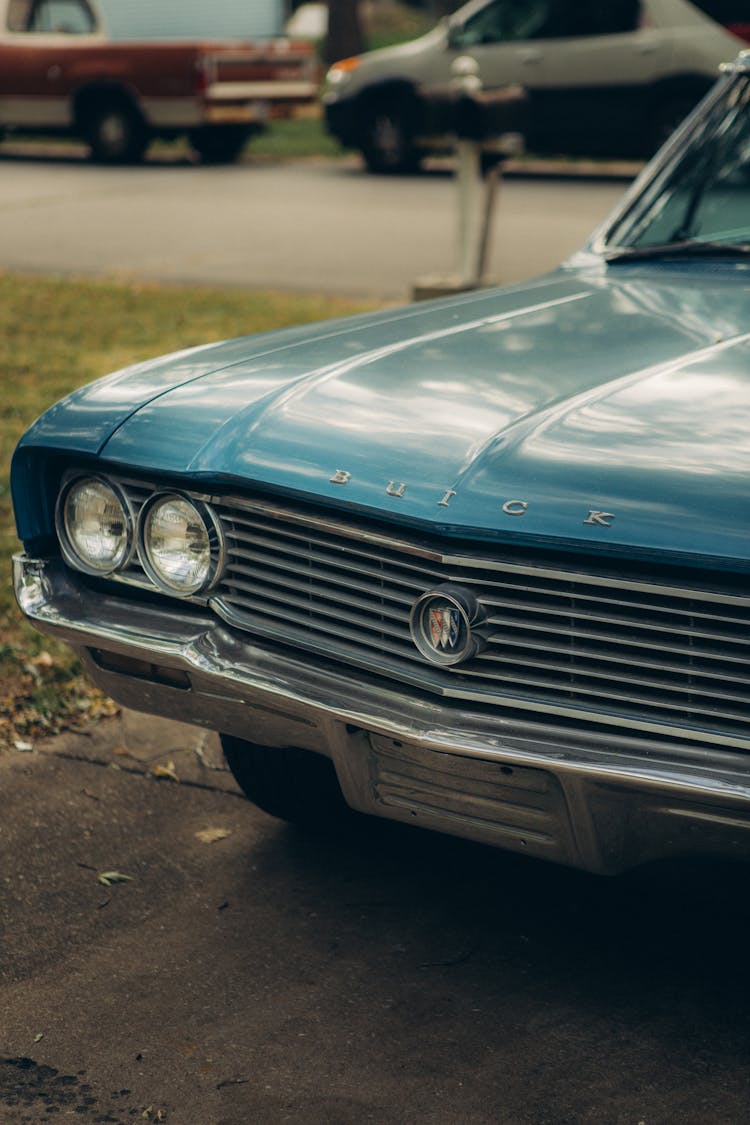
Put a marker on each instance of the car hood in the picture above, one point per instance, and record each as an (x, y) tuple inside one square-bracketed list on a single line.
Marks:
[(605, 408)]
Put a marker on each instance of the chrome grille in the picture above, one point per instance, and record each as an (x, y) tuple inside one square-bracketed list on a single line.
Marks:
[(654, 650), (303, 581)]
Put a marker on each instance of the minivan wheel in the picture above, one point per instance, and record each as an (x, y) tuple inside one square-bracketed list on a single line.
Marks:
[(289, 783), (386, 142)]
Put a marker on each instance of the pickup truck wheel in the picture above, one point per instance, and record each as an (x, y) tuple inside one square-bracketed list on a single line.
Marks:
[(219, 144), (386, 143), (116, 133), (291, 784)]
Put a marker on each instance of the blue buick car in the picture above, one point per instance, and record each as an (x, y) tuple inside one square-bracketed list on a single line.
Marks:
[(480, 564)]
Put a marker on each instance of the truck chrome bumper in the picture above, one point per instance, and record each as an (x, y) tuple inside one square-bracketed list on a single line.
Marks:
[(603, 803)]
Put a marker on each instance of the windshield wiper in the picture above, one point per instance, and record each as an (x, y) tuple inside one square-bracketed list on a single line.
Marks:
[(689, 248)]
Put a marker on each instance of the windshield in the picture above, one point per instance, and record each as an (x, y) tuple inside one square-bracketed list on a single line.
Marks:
[(703, 194)]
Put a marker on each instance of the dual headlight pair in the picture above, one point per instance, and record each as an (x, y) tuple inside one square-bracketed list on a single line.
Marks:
[(178, 540)]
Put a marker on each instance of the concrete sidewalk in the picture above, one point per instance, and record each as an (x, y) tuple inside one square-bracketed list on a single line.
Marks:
[(149, 745)]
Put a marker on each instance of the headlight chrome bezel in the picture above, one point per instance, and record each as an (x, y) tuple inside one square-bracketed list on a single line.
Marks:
[(63, 525), (215, 542)]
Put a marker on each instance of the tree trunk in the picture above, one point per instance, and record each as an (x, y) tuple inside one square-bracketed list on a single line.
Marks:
[(345, 36)]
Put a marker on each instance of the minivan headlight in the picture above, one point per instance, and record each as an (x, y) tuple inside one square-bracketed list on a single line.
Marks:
[(340, 71)]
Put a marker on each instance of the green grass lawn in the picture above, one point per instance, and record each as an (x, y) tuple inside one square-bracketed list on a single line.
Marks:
[(294, 138), (56, 334)]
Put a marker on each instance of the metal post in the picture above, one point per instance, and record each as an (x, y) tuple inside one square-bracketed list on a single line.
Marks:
[(495, 129), (470, 212)]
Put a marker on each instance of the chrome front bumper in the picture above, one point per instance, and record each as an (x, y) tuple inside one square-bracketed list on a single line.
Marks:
[(596, 801)]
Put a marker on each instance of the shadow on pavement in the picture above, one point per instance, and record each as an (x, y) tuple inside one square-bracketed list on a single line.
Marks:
[(383, 975)]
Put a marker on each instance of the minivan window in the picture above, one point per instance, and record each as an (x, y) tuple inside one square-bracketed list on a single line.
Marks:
[(508, 21), (502, 22)]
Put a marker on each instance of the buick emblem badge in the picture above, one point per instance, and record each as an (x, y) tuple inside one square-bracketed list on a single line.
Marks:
[(441, 625), (445, 627)]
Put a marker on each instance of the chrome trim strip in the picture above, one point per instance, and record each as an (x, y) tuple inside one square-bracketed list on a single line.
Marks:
[(186, 637)]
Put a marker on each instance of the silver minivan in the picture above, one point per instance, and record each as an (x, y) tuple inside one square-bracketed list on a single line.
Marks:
[(603, 79)]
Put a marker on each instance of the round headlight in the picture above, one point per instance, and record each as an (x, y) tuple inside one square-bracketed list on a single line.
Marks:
[(180, 544), (94, 526)]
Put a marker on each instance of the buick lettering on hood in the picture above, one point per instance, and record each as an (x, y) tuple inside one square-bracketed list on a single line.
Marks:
[(480, 564)]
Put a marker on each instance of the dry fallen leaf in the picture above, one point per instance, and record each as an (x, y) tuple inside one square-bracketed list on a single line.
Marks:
[(167, 771), (110, 877), (211, 835)]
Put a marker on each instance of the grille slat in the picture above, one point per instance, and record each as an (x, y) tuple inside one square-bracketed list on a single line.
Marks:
[(677, 696), (278, 537), (597, 609), (653, 650), (534, 652), (312, 569), (665, 643), (246, 583), (323, 605), (350, 626)]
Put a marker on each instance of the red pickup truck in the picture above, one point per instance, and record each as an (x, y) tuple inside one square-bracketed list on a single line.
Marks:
[(62, 71)]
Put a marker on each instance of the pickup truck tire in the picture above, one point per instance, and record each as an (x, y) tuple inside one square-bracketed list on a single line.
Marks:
[(219, 144), (291, 784), (115, 132), (386, 140)]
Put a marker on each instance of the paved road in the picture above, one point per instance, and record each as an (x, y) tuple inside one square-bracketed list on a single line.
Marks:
[(305, 225), (393, 977)]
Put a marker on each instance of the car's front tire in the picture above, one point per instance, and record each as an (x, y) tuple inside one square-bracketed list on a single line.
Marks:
[(289, 783), (386, 140)]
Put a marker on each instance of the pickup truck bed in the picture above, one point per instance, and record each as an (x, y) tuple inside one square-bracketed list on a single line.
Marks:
[(60, 72)]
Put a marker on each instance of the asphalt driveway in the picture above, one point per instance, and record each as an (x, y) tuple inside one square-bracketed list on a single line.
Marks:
[(248, 973), (307, 225)]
